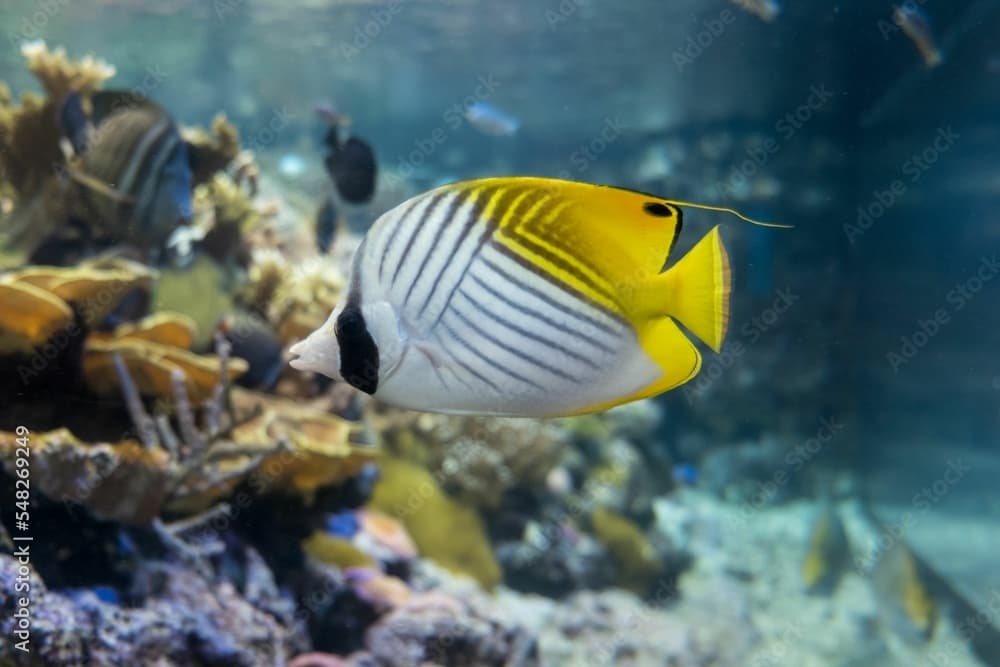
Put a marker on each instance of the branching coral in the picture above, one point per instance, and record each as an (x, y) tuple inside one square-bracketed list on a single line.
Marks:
[(60, 76), (212, 152)]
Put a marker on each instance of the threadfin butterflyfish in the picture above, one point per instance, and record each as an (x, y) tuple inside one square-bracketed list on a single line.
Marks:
[(526, 297)]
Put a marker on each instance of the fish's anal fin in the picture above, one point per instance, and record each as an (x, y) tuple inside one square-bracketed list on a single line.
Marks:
[(673, 352), (695, 291)]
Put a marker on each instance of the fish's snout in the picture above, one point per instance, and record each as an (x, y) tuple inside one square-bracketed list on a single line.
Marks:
[(317, 354)]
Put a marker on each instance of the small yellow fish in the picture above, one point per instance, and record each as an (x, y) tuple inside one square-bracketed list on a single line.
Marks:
[(828, 555), (916, 26), (523, 297), (904, 599)]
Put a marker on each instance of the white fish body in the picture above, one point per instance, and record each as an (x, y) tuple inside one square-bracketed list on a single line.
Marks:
[(441, 316)]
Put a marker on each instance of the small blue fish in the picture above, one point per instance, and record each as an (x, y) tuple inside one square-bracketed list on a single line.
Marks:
[(685, 474), (488, 119), (343, 524)]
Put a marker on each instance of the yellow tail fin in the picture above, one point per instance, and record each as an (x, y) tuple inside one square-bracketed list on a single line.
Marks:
[(695, 291)]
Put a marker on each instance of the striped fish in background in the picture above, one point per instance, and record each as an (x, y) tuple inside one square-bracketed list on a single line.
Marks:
[(523, 297), (132, 167)]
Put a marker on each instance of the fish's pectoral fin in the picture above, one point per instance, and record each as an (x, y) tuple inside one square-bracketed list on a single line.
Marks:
[(695, 291)]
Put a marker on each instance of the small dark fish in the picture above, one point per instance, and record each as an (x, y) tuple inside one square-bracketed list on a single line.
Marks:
[(74, 122), (327, 224), (253, 341), (351, 164), (132, 167)]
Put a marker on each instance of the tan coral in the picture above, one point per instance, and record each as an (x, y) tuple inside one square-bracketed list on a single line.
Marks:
[(163, 328), (476, 458), (29, 133), (59, 75), (119, 482), (29, 144), (95, 288), (212, 152), (233, 217), (30, 317), (321, 450), (296, 300), (152, 365)]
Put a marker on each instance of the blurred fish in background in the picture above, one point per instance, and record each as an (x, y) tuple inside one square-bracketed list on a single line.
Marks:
[(766, 10), (131, 165), (349, 160), (917, 27), (828, 555), (491, 120)]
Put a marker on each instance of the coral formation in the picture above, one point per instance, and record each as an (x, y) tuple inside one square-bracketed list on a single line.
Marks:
[(120, 481), (475, 459), (31, 317), (336, 551), (209, 281), (638, 563), (443, 530), (93, 288), (60, 76), (211, 152), (295, 299), (184, 620)]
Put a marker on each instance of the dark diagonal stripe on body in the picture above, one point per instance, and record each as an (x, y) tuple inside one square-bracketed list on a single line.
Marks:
[(524, 332)]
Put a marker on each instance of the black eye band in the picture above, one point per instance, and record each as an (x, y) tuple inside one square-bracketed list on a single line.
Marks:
[(358, 352)]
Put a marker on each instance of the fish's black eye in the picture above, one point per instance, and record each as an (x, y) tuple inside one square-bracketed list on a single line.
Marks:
[(358, 352), (657, 209)]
